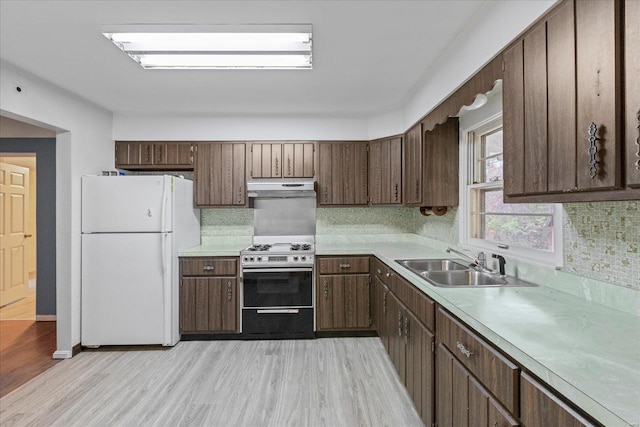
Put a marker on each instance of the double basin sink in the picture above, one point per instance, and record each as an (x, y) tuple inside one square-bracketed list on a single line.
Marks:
[(449, 273)]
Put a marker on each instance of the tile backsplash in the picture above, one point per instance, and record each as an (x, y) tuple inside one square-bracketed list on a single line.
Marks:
[(601, 240)]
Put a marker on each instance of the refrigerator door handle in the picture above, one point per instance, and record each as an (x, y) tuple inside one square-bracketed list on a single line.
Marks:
[(163, 214)]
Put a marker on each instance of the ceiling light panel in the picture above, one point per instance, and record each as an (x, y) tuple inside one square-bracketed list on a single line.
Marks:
[(212, 47)]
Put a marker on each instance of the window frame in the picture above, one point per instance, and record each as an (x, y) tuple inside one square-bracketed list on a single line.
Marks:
[(547, 258)]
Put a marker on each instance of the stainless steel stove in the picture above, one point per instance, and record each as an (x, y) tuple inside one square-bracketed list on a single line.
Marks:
[(264, 255), (277, 270)]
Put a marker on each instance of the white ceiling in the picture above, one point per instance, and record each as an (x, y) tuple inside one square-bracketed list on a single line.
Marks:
[(368, 56)]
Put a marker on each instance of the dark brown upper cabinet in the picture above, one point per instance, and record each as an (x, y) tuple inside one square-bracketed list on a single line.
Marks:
[(151, 155), (412, 166), (562, 103), (632, 91), (385, 171), (282, 160), (440, 164), (343, 173), (219, 175)]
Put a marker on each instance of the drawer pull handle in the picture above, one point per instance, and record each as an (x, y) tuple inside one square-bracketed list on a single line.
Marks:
[(593, 168), (229, 291), (400, 324), (209, 268), (345, 265), (326, 289), (463, 349)]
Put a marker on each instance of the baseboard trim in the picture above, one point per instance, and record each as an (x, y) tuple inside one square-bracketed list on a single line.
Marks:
[(46, 317), (62, 354), (76, 349)]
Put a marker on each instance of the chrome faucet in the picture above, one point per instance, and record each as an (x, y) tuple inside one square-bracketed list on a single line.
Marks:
[(478, 262)]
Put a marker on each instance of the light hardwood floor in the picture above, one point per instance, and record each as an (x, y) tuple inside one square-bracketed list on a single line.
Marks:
[(24, 309), (323, 382)]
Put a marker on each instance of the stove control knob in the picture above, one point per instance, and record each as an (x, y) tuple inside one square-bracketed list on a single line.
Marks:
[(251, 259), (259, 258), (245, 259), (295, 258), (303, 258)]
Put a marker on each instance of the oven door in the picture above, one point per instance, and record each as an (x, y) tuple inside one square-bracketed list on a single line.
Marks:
[(277, 287)]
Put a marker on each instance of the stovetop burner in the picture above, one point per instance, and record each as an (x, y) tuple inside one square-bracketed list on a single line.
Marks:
[(264, 247), (278, 255)]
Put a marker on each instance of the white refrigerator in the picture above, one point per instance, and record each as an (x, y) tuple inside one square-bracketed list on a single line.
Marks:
[(132, 229)]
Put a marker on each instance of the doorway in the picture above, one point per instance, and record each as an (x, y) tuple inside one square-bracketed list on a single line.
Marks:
[(18, 228), (26, 346)]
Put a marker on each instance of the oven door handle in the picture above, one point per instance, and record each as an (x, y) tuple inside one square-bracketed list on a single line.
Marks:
[(275, 270), (279, 311)]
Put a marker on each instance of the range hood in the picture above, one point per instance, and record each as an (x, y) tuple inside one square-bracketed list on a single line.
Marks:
[(281, 188)]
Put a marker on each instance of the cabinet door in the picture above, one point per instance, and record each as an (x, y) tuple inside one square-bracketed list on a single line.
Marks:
[(632, 91), (208, 305), (297, 160), (598, 67), (420, 366), (177, 154), (513, 119), (452, 400), (266, 160), (385, 164), (413, 166), (343, 302), (330, 303), (220, 175), (396, 335), (539, 407), (343, 173), (462, 401), (535, 110), (440, 168)]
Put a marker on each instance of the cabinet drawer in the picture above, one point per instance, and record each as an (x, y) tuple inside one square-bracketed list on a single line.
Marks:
[(343, 265), (495, 371), (209, 266)]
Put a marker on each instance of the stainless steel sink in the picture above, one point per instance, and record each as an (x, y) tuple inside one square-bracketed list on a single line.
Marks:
[(470, 278), (423, 265), (457, 273), (463, 278)]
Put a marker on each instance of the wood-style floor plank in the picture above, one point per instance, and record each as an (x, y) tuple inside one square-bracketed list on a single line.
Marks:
[(26, 349), (323, 382)]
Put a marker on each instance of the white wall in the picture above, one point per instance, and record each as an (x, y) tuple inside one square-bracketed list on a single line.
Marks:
[(83, 146)]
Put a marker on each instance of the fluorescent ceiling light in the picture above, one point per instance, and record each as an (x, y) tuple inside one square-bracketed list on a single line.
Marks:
[(212, 47)]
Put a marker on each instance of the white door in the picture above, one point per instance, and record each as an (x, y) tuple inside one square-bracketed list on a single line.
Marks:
[(14, 199), (126, 204), (125, 288)]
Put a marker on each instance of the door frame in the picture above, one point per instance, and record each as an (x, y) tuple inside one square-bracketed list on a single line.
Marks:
[(45, 150)]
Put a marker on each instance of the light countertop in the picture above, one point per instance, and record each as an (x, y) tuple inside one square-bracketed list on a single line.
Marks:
[(588, 352)]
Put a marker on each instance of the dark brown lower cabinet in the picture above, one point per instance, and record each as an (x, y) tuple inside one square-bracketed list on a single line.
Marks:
[(409, 344), (462, 401), (208, 305), (209, 301), (343, 302), (540, 407)]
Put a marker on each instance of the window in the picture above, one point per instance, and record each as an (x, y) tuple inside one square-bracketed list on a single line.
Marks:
[(523, 230)]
